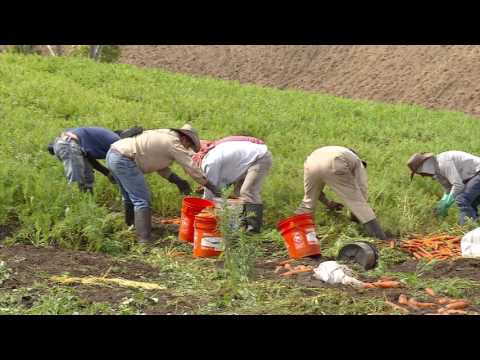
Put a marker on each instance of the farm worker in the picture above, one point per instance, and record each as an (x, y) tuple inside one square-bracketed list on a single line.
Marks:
[(459, 174), (242, 161), (152, 151), (345, 173), (79, 149)]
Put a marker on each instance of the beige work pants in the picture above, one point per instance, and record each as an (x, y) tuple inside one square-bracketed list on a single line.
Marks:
[(249, 187), (344, 173)]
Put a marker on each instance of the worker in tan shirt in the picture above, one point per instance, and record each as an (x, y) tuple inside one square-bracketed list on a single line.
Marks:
[(152, 151), (345, 173)]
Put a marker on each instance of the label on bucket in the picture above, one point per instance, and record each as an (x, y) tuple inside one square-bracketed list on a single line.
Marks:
[(298, 239), (312, 238), (215, 243)]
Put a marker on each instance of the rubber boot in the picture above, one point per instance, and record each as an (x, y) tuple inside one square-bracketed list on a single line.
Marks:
[(373, 229), (253, 217), (143, 225), (129, 214)]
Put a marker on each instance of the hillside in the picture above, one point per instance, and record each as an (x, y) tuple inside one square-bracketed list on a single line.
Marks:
[(435, 76)]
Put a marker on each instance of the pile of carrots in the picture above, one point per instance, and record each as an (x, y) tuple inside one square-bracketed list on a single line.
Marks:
[(439, 306), (437, 246)]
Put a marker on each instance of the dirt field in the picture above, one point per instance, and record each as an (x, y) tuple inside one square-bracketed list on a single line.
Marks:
[(435, 76)]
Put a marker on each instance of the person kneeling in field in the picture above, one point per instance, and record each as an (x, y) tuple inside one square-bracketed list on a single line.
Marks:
[(459, 174), (152, 151), (345, 173), (242, 161), (79, 149)]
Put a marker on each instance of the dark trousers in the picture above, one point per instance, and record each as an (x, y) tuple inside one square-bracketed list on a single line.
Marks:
[(469, 200)]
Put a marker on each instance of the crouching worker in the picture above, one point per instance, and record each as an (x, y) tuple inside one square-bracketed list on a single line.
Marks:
[(241, 161), (459, 174), (79, 149), (345, 173), (152, 151)]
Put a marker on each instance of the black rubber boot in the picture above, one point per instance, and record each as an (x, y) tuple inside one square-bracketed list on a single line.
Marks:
[(253, 217), (373, 229), (143, 225), (129, 214)]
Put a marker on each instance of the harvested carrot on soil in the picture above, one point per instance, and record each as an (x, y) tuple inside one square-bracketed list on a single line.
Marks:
[(420, 304), (403, 299), (431, 292), (457, 305), (382, 285), (396, 307)]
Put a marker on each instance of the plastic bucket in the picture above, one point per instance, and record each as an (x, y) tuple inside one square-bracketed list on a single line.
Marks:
[(191, 206), (299, 235), (208, 240)]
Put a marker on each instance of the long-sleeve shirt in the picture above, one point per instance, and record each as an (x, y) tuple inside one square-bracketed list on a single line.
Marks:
[(155, 150), (228, 162), (454, 168)]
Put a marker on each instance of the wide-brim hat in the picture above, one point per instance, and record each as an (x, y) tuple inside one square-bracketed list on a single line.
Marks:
[(416, 161), (192, 134)]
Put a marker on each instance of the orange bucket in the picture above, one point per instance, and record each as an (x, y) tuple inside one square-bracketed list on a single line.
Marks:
[(208, 239), (299, 235), (191, 206)]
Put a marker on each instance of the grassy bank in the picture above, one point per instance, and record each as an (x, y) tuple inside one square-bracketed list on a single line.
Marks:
[(40, 96)]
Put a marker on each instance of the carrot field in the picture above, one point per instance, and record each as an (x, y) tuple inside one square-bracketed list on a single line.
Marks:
[(43, 220)]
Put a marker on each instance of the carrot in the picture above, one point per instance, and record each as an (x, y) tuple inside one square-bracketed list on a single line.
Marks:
[(402, 299), (419, 304), (285, 262), (368, 286), (430, 292), (445, 300), (392, 244), (396, 307), (457, 305), (389, 284), (288, 266), (295, 272), (417, 256)]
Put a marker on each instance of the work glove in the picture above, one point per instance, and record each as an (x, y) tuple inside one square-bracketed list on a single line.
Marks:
[(183, 185), (334, 206), (444, 204)]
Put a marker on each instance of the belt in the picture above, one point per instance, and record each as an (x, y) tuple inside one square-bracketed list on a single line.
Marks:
[(69, 136)]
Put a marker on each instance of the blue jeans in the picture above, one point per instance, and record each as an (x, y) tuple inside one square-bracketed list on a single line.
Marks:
[(76, 166), (469, 200), (130, 179)]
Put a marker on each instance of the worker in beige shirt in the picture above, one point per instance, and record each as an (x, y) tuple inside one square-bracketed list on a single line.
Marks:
[(345, 173), (152, 151)]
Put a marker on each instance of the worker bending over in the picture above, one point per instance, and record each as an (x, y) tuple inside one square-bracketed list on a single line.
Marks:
[(152, 151), (459, 174), (345, 173), (79, 149), (244, 162)]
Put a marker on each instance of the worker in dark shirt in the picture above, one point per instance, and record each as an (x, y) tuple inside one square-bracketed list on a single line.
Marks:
[(80, 149)]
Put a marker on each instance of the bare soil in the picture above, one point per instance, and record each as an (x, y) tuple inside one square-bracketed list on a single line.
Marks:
[(434, 76), (32, 265)]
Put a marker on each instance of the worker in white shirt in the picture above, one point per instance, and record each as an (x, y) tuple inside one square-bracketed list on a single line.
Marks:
[(242, 161)]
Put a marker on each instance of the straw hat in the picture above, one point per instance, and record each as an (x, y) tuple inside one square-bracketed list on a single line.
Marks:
[(192, 134), (416, 161)]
